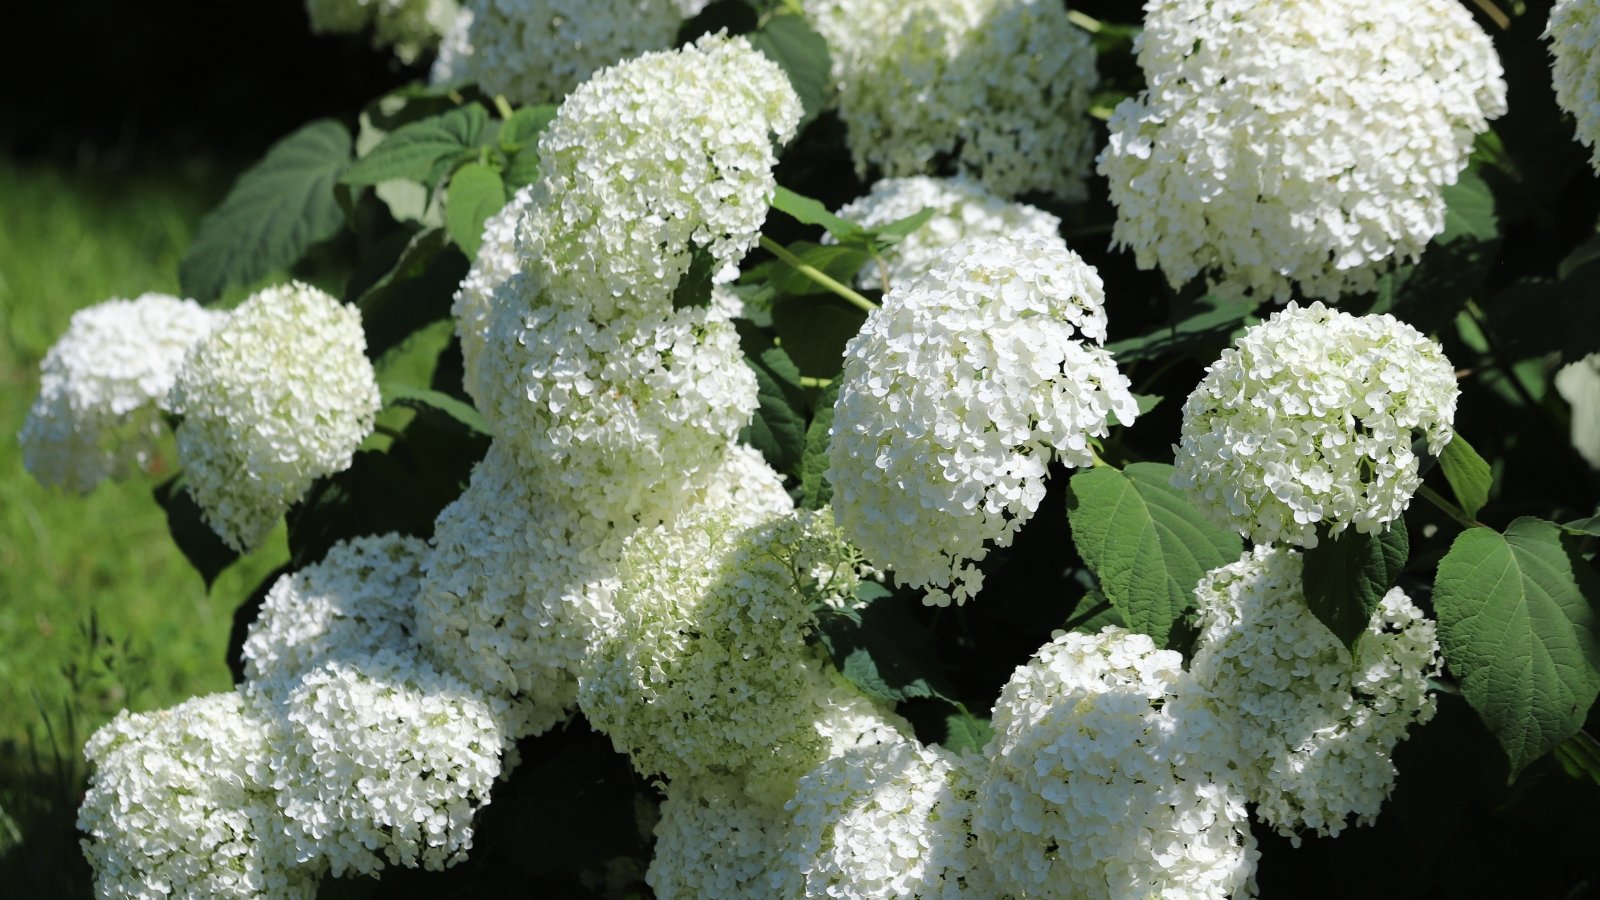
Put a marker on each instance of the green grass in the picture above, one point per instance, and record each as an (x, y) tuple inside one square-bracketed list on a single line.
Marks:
[(98, 609)]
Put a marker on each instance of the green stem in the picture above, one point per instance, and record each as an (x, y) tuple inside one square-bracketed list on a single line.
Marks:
[(817, 275), (806, 381), (1098, 459), (502, 107), (1087, 23), (1449, 509)]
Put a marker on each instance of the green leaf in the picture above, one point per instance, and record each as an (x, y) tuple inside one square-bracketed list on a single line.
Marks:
[(1516, 620), (1579, 755), (205, 551), (1347, 575), (1589, 526), (415, 292), (1205, 332), (893, 232), (1093, 613), (803, 55), (814, 330), (1145, 541), (519, 137), (1145, 402), (476, 193), (778, 428), (966, 733), (694, 288), (277, 210), (1468, 474), (815, 491), (812, 212), (1520, 317), (1428, 293), (887, 653), (841, 263), (413, 151), (446, 410)]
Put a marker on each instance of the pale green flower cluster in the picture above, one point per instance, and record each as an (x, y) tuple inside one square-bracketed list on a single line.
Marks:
[(1574, 34)]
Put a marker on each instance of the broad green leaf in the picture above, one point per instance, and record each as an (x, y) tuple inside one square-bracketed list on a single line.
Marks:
[(803, 55), (888, 654), (1589, 526), (1093, 613), (1347, 575), (1520, 317), (812, 212), (476, 193), (1579, 755), (1205, 332), (277, 210), (815, 491), (1586, 253), (415, 292), (814, 330), (205, 551), (893, 232), (1516, 621), (448, 410), (1144, 540), (413, 151), (966, 733), (522, 130), (694, 288), (778, 428), (1468, 474)]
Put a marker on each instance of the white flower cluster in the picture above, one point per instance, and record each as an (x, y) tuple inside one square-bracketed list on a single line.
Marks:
[(1106, 779), (715, 842), (1315, 726), (103, 389), (889, 820), (496, 263), (649, 162), (1309, 420), (1574, 34), (956, 395), (1303, 142), (180, 804), (410, 26), (537, 51), (999, 87), (962, 210), (277, 396)]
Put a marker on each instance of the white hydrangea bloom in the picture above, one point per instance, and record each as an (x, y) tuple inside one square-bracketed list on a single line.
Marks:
[(1574, 35), (962, 210), (1309, 419), (999, 87), (360, 599), (1299, 143), (454, 61), (707, 669), (890, 820), (956, 395), (103, 389), (180, 803), (496, 263), (385, 760), (714, 841), (1108, 779), (629, 414), (1315, 725), (410, 26), (650, 161), (537, 51), (277, 396)]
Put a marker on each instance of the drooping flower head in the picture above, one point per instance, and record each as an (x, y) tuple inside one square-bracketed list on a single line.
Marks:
[(1309, 420), (103, 389), (279, 395), (180, 803), (1315, 722), (1574, 35), (1299, 143), (956, 395), (1001, 87), (1108, 777)]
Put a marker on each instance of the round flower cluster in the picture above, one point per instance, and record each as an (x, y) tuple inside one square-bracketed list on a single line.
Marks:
[(1315, 725), (1574, 35), (496, 263), (890, 820), (178, 804), (1000, 87), (706, 670), (649, 163), (1296, 143), (713, 841), (956, 395), (410, 26), (962, 210), (537, 51), (277, 396), (1107, 779), (359, 600), (384, 760), (1309, 420), (103, 389)]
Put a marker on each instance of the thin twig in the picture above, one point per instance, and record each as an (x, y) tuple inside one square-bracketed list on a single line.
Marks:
[(817, 275)]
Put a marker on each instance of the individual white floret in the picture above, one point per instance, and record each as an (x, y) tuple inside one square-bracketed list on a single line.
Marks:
[(277, 396), (956, 395), (706, 670), (1308, 422), (999, 88), (385, 760), (497, 261), (1302, 143), (648, 163), (180, 803), (103, 387), (410, 26), (714, 841), (890, 820), (1574, 34), (360, 599), (1315, 724), (1108, 777), (962, 210), (537, 51)]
